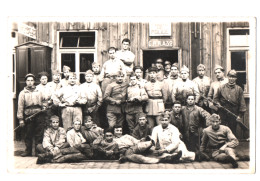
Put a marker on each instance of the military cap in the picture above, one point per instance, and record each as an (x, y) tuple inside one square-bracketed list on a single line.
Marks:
[(184, 68), (141, 115), (89, 72), (201, 66), (119, 73), (66, 68), (55, 72), (43, 74), (54, 118), (152, 69), (232, 73), (167, 63), (29, 75), (218, 67), (159, 60)]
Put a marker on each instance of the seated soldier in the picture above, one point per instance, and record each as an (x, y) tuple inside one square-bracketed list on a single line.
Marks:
[(54, 148), (218, 142), (170, 146), (142, 130), (105, 147), (176, 117), (90, 130)]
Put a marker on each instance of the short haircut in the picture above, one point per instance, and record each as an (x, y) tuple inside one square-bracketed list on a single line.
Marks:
[(41, 74), (95, 63), (138, 67), (111, 48), (89, 72), (117, 126), (119, 73), (126, 40), (190, 94), (176, 102), (108, 130), (73, 74), (132, 74), (214, 116)]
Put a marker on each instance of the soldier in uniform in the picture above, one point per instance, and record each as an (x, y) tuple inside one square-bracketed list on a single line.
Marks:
[(221, 79), (90, 97), (167, 69), (68, 98), (110, 69), (126, 56), (160, 69), (176, 117), (54, 84), (157, 95), (30, 102), (65, 81), (184, 87), (138, 70), (142, 130), (96, 70), (203, 83), (231, 97), (115, 96)]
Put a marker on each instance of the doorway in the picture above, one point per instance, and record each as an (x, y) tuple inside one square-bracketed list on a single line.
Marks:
[(150, 56)]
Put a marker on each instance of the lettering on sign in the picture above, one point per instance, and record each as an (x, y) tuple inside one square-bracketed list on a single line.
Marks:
[(160, 29), (160, 43), (27, 30)]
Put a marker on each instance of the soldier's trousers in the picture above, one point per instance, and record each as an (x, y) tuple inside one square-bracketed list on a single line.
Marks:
[(115, 119), (132, 120), (221, 157), (69, 115)]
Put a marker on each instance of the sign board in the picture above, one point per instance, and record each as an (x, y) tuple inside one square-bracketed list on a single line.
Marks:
[(160, 43), (160, 29), (27, 30)]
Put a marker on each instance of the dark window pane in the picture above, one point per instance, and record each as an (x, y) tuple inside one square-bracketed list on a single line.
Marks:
[(86, 61), (68, 60), (238, 60), (241, 79), (70, 42), (239, 32), (87, 41)]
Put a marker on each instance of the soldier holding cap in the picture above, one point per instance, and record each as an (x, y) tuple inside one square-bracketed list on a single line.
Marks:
[(184, 87), (30, 102), (231, 97), (203, 83), (221, 80)]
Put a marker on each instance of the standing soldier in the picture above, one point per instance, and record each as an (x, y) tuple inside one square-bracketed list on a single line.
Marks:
[(115, 95), (221, 80), (157, 96), (29, 103), (54, 84), (167, 69), (91, 97), (136, 95), (184, 87), (138, 70), (160, 69), (68, 98), (96, 70), (110, 69), (231, 97), (203, 83), (65, 81), (44, 89), (126, 56), (194, 118)]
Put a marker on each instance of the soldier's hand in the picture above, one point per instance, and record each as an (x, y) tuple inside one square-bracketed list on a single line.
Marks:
[(21, 122)]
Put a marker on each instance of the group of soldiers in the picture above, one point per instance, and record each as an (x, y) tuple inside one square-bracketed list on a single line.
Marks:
[(165, 117)]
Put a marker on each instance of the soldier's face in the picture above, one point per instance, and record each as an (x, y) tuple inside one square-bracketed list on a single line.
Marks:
[(44, 80), (109, 137), (201, 72), (152, 75), (219, 74), (30, 81), (96, 69), (159, 65), (190, 100), (88, 123), (66, 73), (142, 121), (138, 73), (118, 132), (174, 71), (119, 78), (55, 124), (89, 78), (165, 122), (167, 68), (215, 124), (56, 77), (184, 75), (177, 108), (112, 54), (232, 79), (125, 45), (133, 80), (72, 80), (77, 125)]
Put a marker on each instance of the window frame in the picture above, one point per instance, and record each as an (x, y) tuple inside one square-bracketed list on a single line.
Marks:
[(237, 49), (76, 51)]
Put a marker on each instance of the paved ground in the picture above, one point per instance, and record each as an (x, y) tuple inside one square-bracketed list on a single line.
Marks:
[(30, 163)]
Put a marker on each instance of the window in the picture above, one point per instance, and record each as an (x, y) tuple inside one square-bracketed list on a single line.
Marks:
[(78, 51), (14, 75), (238, 55)]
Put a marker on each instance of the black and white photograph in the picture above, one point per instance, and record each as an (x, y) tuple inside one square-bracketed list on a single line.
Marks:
[(165, 93)]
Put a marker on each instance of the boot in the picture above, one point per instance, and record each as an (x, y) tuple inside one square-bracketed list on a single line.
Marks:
[(26, 153), (176, 158), (122, 159), (232, 161), (43, 159)]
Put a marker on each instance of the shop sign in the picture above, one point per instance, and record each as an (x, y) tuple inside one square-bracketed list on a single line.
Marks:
[(27, 30), (160, 29), (155, 43)]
